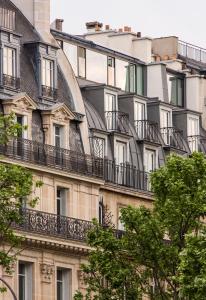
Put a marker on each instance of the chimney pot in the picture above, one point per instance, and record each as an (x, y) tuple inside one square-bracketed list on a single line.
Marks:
[(107, 27), (94, 26), (120, 30), (125, 28), (139, 34), (129, 29), (58, 24)]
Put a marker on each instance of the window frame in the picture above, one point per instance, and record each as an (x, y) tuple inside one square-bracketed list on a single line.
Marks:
[(28, 280), (44, 75), (108, 68), (176, 77), (85, 62), (13, 63), (66, 282)]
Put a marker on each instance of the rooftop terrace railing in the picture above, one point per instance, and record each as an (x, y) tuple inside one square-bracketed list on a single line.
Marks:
[(173, 138), (147, 130), (117, 121), (191, 51)]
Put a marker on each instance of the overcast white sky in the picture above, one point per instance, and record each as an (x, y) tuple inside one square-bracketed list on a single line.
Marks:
[(155, 18)]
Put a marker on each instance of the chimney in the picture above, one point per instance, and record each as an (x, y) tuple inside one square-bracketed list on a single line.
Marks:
[(139, 34), (125, 28), (37, 12), (59, 24), (107, 27), (94, 26), (120, 30)]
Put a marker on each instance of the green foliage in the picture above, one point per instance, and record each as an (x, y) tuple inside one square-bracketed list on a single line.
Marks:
[(16, 186), (161, 253)]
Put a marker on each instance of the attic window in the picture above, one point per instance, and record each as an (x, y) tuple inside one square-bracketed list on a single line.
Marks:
[(7, 18)]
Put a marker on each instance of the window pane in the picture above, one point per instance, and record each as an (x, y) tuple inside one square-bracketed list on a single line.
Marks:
[(71, 53), (140, 80), (99, 147), (9, 61), (96, 67), (132, 79), (121, 74), (82, 62), (47, 72), (111, 71), (180, 92)]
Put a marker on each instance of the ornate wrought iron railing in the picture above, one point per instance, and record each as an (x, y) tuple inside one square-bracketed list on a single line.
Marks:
[(47, 155), (11, 82), (49, 92), (147, 130), (173, 138), (53, 225), (117, 121), (191, 51), (126, 175), (7, 18)]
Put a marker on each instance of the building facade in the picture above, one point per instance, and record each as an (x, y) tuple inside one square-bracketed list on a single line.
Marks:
[(102, 110)]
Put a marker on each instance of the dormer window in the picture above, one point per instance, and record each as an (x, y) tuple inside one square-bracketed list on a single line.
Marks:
[(47, 73), (9, 77)]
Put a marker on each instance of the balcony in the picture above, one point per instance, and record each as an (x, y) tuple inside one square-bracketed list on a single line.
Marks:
[(197, 143), (49, 92), (54, 157), (11, 82), (7, 19), (147, 131), (117, 121), (53, 225), (173, 138), (126, 175), (191, 51)]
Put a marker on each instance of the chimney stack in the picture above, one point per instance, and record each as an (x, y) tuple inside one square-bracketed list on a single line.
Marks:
[(139, 34), (94, 26), (107, 27)]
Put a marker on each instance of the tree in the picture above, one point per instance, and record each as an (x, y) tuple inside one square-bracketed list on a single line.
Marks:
[(16, 186), (148, 258)]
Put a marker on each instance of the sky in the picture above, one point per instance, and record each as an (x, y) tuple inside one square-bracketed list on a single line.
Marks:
[(154, 18)]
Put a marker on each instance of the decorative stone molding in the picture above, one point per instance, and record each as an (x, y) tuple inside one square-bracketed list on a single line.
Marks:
[(46, 272)]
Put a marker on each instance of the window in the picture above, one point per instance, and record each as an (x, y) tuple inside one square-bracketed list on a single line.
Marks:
[(61, 201), (9, 61), (111, 71), (25, 281), (96, 66), (111, 114), (101, 209), (22, 120), (165, 124), (63, 284), (47, 72), (175, 90), (99, 147), (58, 136), (193, 133), (121, 153), (150, 160), (71, 53), (82, 62), (139, 117), (135, 79), (120, 224)]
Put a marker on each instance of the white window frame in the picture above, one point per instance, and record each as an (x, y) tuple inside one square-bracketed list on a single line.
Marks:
[(47, 72), (121, 140), (152, 149), (66, 283), (193, 139), (135, 111), (114, 106), (165, 109), (111, 69), (120, 225), (24, 123), (9, 61), (28, 279), (63, 200), (62, 129)]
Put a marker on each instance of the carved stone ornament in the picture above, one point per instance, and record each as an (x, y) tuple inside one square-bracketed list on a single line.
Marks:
[(61, 115), (46, 272)]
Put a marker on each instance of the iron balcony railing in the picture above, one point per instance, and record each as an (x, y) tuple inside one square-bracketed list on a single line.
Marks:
[(47, 155), (53, 225), (197, 143), (71, 161), (126, 175), (11, 82), (191, 51), (7, 18), (173, 138), (147, 130), (117, 121), (49, 92)]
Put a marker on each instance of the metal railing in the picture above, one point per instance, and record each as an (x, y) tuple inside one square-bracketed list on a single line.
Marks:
[(11, 81), (173, 138), (7, 18), (72, 161), (194, 142), (53, 225), (49, 92), (126, 175), (47, 155), (117, 121), (147, 130), (191, 51)]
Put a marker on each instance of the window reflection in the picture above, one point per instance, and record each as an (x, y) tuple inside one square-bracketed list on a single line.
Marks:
[(71, 53), (111, 70), (175, 89), (121, 74), (96, 67), (82, 62)]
